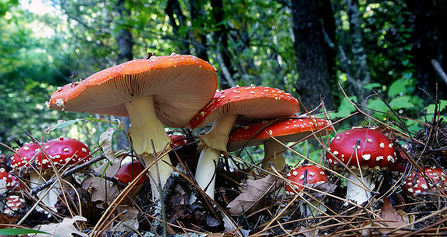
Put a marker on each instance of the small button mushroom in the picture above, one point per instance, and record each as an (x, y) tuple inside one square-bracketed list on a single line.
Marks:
[(363, 150), (416, 184), (129, 171), (23, 156), (305, 175), (308, 175), (13, 204)]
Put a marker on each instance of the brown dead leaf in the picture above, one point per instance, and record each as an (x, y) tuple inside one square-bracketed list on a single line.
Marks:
[(129, 221), (391, 217), (64, 229), (254, 195), (101, 189)]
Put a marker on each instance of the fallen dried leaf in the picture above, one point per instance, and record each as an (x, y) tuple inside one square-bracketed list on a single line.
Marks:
[(254, 195), (391, 217), (101, 189), (63, 229)]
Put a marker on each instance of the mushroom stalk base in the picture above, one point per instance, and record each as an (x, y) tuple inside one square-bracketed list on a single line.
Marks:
[(48, 200), (309, 210), (356, 193), (271, 149), (213, 144), (145, 129)]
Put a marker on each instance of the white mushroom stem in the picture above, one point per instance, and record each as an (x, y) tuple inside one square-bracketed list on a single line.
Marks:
[(271, 149), (213, 144), (355, 192), (48, 199), (312, 209), (145, 126)]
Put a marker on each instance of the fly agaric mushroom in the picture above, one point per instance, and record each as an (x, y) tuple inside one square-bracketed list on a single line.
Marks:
[(23, 156), (62, 152), (7, 181), (307, 175), (239, 104), (129, 171), (362, 150), (417, 184), (178, 140), (13, 204), (286, 130), (161, 90)]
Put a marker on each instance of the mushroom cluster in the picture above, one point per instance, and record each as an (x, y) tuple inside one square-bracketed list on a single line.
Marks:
[(362, 150), (234, 106), (178, 91)]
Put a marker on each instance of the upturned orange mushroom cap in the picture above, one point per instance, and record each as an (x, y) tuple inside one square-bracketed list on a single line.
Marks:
[(285, 130), (180, 85), (251, 102)]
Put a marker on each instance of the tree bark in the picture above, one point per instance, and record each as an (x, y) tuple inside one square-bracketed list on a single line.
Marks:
[(429, 43), (221, 48), (125, 53), (312, 64), (361, 72)]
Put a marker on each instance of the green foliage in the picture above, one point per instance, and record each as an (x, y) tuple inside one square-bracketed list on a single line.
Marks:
[(21, 231)]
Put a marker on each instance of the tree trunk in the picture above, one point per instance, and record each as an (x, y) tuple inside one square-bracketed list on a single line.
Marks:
[(125, 46), (314, 78), (429, 43), (221, 49), (362, 75)]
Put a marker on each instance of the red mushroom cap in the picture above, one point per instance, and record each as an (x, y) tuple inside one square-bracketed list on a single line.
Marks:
[(178, 140), (414, 186), (287, 130), (374, 149), (129, 171), (10, 181), (180, 85), (13, 203), (22, 157), (62, 151), (298, 177), (247, 102)]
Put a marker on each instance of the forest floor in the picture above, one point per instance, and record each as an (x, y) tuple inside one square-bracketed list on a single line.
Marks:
[(248, 201)]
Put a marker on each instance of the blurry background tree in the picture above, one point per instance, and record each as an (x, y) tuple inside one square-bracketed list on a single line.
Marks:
[(303, 47)]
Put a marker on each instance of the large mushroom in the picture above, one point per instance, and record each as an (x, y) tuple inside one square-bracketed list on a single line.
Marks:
[(239, 104), (362, 150), (285, 130), (161, 90)]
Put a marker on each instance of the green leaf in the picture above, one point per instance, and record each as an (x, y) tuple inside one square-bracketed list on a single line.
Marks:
[(397, 87), (19, 231), (402, 102), (431, 107), (372, 85), (70, 122), (61, 125), (345, 108), (378, 104)]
